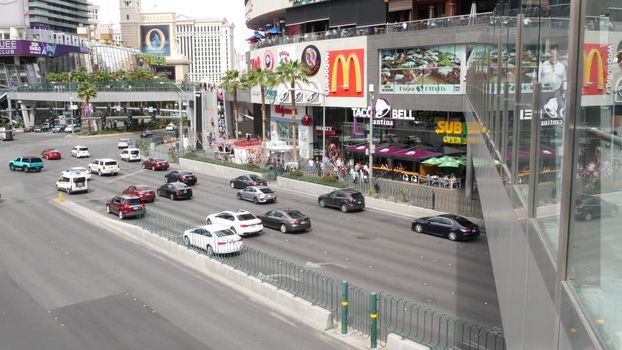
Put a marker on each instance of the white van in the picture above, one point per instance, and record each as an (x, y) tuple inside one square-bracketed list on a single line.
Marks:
[(72, 184), (130, 155)]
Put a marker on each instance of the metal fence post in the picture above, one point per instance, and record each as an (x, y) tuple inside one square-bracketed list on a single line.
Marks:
[(344, 307), (373, 315)]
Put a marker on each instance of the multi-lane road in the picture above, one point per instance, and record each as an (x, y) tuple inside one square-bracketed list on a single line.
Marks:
[(371, 249), (66, 284)]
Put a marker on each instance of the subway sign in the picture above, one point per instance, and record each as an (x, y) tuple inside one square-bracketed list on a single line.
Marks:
[(456, 132), (345, 73)]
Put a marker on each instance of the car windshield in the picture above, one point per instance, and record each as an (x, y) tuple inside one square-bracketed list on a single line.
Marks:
[(357, 196), (110, 163), (223, 233), (295, 214), (185, 173), (266, 190), (83, 149), (244, 217), (52, 150), (142, 188), (134, 152), (133, 201), (256, 178), (79, 180), (123, 140), (157, 160), (180, 186), (462, 221)]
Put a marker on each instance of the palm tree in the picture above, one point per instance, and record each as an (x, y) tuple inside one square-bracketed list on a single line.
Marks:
[(232, 81), (80, 75), (288, 73), (140, 74), (58, 77), (86, 92), (265, 79)]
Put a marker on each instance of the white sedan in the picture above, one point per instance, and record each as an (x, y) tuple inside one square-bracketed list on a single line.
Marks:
[(241, 222), (124, 143), (214, 239), (77, 171), (171, 127)]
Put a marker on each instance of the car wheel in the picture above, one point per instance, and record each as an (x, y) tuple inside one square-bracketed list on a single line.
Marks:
[(322, 204), (344, 208), (144, 166), (283, 228), (172, 197), (587, 216), (153, 168), (12, 167), (38, 170), (232, 185), (108, 209), (99, 172), (234, 230), (27, 169), (186, 241), (209, 250), (121, 216), (255, 200), (418, 228), (208, 221), (239, 196), (452, 236)]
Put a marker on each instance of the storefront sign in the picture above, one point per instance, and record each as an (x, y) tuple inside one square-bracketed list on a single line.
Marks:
[(286, 54), (155, 39), (346, 73), (384, 114), (36, 48), (598, 61), (452, 128), (312, 59), (422, 70), (303, 2), (545, 120), (284, 111), (268, 59)]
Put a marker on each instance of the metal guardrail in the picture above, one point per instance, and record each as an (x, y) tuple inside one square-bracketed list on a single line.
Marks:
[(396, 315)]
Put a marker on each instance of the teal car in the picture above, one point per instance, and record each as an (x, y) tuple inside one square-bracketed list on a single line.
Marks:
[(26, 163)]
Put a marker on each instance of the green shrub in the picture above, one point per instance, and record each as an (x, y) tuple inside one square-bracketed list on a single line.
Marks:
[(332, 181), (296, 173)]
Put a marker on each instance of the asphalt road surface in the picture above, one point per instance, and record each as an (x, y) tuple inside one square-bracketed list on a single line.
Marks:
[(65, 284), (374, 250)]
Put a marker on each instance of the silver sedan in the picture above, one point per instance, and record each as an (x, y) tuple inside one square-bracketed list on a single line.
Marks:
[(257, 194)]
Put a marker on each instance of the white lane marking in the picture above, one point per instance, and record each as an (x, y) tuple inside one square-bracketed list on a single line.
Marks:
[(312, 265), (116, 178)]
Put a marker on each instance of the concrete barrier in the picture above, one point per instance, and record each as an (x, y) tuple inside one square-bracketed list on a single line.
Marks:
[(395, 342), (216, 170), (286, 303), (303, 186)]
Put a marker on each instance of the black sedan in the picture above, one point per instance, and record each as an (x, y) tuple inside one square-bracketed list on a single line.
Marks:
[(181, 176), (175, 190), (286, 220), (590, 207), (450, 226), (247, 180)]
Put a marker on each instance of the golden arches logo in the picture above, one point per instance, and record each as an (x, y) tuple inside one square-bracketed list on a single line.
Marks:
[(344, 63), (588, 60)]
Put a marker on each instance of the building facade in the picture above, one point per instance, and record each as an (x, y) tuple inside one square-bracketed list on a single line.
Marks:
[(65, 16), (208, 44), (531, 93)]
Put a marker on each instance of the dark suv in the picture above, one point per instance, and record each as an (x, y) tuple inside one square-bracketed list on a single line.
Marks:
[(126, 206), (346, 200)]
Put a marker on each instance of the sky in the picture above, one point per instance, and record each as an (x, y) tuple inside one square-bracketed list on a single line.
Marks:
[(232, 9)]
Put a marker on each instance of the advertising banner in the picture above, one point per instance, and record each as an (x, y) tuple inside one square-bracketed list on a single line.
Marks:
[(602, 69), (346, 73), (14, 13), (36, 48), (155, 40), (422, 70)]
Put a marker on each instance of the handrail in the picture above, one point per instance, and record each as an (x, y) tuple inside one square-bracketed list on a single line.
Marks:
[(432, 23)]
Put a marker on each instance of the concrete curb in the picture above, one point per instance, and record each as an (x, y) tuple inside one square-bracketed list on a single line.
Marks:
[(284, 302), (221, 171), (105, 135), (395, 342)]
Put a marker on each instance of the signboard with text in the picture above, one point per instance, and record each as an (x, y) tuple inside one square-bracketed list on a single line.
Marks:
[(36, 48), (346, 74)]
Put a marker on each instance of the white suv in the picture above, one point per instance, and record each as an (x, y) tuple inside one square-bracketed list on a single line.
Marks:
[(80, 151), (130, 155), (104, 166), (124, 143), (240, 222)]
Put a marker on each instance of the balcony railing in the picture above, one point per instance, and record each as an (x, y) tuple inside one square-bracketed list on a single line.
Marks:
[(399, 27)]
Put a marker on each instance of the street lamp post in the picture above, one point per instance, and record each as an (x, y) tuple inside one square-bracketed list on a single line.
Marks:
[(371, 113), (73, 125)]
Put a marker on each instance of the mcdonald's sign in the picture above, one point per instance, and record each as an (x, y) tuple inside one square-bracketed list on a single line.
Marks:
[(595, 69), (346, 75)]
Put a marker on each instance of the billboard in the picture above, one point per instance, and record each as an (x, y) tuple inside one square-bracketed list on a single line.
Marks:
[(37, 48), (596, 77), (14, 13), (155, 40), (346, 73), (422, 70)]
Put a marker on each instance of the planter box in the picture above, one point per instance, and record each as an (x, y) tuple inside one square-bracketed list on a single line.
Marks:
[(221, 171)]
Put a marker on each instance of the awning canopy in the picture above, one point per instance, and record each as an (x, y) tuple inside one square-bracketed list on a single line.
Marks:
[(415, 154)]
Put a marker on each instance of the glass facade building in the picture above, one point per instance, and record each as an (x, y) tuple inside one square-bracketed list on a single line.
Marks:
[(544, 88)]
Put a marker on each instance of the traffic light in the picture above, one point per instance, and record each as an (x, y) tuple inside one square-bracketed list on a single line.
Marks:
[(79, 121), (51, 111), (103, 120), (157, 110), (66, 108), (125, 110), (129, 119), (108, 110)]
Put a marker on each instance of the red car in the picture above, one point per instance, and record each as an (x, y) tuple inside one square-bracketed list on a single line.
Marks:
[(50, 153), (125, 206), (145, 193), (155, 164)]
